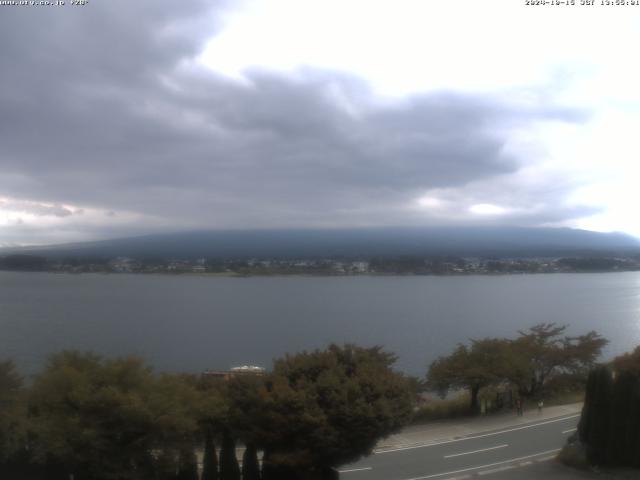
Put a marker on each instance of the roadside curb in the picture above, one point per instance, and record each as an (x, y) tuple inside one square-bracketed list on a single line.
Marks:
[(410, 445)]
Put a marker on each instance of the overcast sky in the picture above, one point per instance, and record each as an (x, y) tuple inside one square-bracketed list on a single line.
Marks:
[(127, 117)]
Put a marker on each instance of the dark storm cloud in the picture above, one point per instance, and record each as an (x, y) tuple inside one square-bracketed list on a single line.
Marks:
[(104, 107)]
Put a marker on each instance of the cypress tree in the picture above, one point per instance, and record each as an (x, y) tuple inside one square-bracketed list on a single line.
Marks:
[(267, 468), (585, 425), (250, 465), (187, 465), (600, 413), (621, 442), (626, 410), (166, 466), (634, 426), (145, 468), (614, 446), (55, 470), (229, 468), (610, 421), (210, 460), (603, 419)]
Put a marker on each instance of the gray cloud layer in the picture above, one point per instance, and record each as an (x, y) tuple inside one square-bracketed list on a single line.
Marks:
[(103, 108)]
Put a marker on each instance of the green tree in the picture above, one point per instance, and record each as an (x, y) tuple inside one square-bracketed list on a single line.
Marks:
[(542, 352), (105, 419), (213, 417), (329, 407), (629, 362), (594, 422), (14, 454), (166, 465), (250, 465), (610, 421), (210, 458), (245, 395), (622, 447), (229, 468), (12, 431), (472, 367), (624, 426), (187, 464)]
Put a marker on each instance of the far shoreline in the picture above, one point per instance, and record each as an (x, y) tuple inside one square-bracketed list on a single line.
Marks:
[(313, 275)]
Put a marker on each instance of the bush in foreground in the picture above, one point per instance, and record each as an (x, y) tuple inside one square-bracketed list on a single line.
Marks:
[(329, 407), (609, 429)]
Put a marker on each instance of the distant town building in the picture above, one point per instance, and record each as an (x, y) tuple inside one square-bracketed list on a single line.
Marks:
[(244, 370), (122, 264), (360, 267)]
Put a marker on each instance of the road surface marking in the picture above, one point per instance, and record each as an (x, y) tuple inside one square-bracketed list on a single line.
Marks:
[(476, 451), (355, 470), (476, 436), (570, 430), (545, 459), (496, 470), (512, 460)]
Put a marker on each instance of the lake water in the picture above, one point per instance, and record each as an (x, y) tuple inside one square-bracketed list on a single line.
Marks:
[(192, 323)]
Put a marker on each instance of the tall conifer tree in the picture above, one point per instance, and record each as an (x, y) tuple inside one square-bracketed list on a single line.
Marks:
[(229, 468), (250, 465), (187, 465), (210, 459)]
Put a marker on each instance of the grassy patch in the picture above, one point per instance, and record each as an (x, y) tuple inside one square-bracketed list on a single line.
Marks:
[(457, 405), (437, 409), (565, 398)]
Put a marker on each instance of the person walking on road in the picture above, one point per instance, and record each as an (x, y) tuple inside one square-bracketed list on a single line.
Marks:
[(540, 405)]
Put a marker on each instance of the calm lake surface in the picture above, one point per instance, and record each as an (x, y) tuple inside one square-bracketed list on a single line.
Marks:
[(192, 323)]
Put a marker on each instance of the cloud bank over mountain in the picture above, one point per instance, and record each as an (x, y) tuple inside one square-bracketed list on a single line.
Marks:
[(112, 125)]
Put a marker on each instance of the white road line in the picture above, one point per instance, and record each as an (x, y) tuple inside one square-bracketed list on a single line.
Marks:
[(484, 466), (570, 430), (355, 470), (545, 459), (476, 451), (476, 436), (496, 470)]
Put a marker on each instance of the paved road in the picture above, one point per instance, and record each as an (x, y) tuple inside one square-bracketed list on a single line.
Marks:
[(554, 470), (479, 454)]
